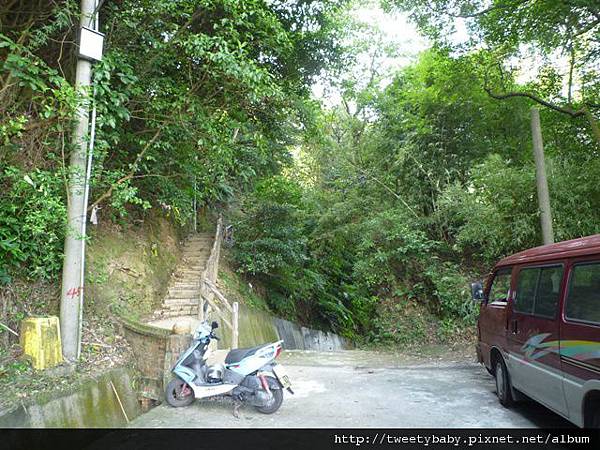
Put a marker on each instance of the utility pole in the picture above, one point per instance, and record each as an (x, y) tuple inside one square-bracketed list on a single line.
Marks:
[(72, 287), (541, 180)]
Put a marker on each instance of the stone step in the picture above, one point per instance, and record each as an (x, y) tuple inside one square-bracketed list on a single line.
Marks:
[(193, 284), (189, 310), (167, 314), (192, 313), (186, 271), (191, 266), (190, 278), (179, 302), (196, 251), (195, 268), (196, 242), (183, 293), (173, 301), (192, 261), (201, 256), (185, 283), (191, 291)]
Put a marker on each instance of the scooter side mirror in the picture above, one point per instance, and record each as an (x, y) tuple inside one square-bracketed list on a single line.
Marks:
[(214, 325)]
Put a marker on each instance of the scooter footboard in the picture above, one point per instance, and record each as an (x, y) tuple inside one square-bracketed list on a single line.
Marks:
[(229, 376)]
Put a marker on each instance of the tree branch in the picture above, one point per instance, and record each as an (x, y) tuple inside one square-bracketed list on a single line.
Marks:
[(130, 175), (574, 113), (562, 109)]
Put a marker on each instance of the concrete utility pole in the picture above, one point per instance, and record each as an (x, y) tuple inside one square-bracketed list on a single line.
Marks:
[(72, 287), (542, 182)]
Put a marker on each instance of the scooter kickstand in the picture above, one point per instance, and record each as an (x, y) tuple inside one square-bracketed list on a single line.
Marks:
[(237, 404)]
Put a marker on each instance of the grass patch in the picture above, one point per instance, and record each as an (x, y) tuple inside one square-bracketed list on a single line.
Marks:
[(131, 267)]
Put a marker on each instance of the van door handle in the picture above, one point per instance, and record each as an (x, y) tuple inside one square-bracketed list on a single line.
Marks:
[(515, 326)]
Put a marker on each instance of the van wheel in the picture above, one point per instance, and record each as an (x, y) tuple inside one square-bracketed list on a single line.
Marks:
[(596, 420), (503, 384)]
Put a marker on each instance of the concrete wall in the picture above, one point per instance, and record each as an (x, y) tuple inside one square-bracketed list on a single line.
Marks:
[(92, 404), (302, 338), (257, 327)]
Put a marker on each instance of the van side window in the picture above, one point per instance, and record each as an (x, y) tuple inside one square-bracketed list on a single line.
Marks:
[(583, 301), (500, 286), (526, 287), (548, 291), (538, 291)]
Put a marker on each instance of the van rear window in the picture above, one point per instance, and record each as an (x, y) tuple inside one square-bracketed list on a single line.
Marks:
[(583, 301)]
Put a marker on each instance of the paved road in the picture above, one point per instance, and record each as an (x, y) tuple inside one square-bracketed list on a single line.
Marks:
[(366, 389)]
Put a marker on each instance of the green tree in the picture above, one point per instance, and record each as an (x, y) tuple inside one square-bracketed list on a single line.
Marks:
[(565, 35)]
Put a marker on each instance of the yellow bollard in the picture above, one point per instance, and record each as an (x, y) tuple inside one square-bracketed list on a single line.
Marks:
[(40, 339)]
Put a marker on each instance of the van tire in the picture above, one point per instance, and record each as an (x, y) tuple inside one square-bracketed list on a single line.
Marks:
[(595, 422), (503, 387)]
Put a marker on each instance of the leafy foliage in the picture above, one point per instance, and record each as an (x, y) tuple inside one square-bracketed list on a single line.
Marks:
[(369, 217), (562, 37), (196, 99)]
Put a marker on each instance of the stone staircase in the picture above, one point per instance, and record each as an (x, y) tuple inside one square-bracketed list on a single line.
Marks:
[(183, 293)]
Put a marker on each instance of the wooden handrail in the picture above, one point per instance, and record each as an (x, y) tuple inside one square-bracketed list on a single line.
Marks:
[(209, 289)]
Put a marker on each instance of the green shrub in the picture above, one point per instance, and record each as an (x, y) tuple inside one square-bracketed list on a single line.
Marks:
[(32, 223)]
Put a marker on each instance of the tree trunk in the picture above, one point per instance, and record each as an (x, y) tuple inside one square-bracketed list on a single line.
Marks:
[(542, 182)]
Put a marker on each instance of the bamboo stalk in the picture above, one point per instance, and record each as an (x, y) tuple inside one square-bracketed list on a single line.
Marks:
[(119, 400), (9, 329)]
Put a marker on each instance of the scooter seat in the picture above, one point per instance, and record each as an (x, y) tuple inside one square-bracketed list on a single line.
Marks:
[(236, 355)]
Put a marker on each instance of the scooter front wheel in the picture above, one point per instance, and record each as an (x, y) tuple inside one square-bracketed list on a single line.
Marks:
[(179, 393)]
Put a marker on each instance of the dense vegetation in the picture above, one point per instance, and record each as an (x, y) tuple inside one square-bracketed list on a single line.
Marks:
[(369, 217)]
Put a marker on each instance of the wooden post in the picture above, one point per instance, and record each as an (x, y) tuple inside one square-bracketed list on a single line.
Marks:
[(234, 326), (201, 307), (542, 182)]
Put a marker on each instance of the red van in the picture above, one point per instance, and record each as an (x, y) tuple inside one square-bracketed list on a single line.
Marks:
[(539, 328)]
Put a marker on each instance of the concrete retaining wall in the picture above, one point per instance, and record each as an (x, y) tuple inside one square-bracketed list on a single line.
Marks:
[(302, 338), (90, 405), (258, 327)]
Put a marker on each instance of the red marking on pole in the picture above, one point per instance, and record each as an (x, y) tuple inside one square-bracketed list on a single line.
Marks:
[(75, 292)]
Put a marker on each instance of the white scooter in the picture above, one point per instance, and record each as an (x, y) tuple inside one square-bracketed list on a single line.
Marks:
[(250, 375)]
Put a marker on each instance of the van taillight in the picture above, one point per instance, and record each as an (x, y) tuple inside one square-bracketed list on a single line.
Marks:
[(278, 351)]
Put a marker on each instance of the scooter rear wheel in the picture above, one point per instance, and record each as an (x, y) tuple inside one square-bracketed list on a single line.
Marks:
[(277, 399), (178, 393)]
